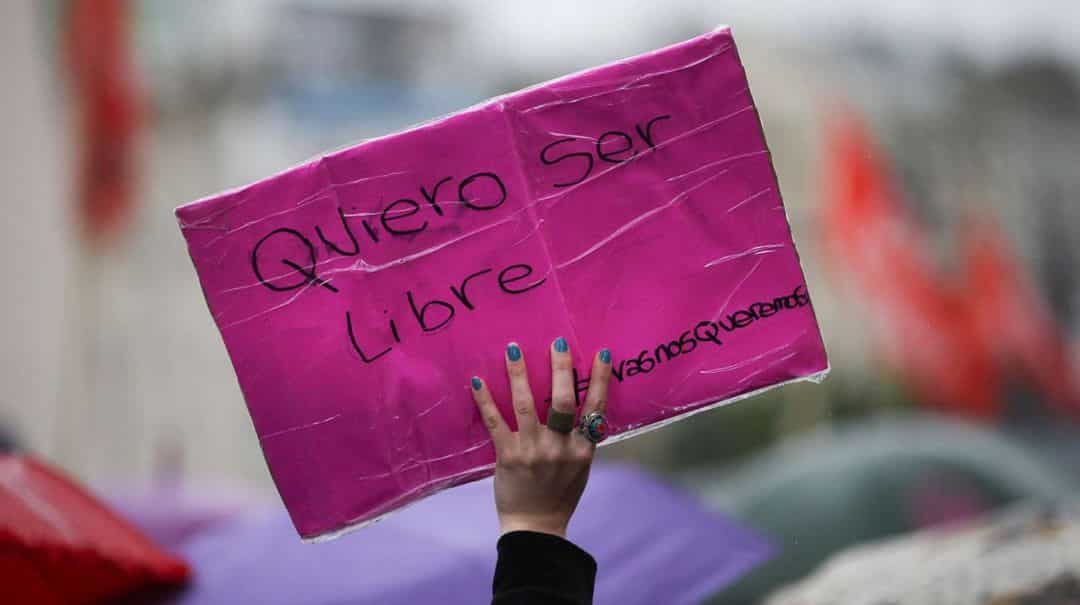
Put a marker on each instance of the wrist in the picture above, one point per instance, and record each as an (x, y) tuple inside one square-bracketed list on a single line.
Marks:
[(509, 523)]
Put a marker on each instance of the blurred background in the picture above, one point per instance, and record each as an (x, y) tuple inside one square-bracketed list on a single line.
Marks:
[(928, 152)]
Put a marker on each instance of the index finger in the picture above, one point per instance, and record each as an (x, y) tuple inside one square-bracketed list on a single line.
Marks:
[(489, 413), (520, 391)]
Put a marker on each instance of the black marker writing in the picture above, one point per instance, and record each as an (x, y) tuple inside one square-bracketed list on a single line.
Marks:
[(302, 266), (705, 332), (612, 147), (431, 313)]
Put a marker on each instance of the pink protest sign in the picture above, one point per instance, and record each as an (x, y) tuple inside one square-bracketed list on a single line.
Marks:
[(633, 206)]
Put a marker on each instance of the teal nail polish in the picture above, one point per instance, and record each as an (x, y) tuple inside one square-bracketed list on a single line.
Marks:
[(560, 345), (605, 355), (513, 352), (476, 383)]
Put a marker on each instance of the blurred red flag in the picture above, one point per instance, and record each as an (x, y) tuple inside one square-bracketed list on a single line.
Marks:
[(872, 240), (1013, 320), (98, 52)]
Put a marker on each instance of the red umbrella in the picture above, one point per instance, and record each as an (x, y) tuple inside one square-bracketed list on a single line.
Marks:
[(60, 545)]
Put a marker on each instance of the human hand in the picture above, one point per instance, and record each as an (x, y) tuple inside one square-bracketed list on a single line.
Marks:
[(540, 473)]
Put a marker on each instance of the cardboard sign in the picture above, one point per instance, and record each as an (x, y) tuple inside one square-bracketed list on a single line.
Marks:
[(633, 206)]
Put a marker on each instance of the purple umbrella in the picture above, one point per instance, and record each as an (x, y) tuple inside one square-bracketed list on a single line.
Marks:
[(653, 545)]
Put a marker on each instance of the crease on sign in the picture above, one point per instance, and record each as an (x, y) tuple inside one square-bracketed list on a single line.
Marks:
[(281, 305), (421, 414), (321, 193), (535, 228), (300, 427), (738, 286), (422, 448), (768, 367), (747, 200), (448, 203), (412, 463), (230, 231), (759, 250), (205, 223), (640, 219), (697, 170), (432, 407), (574, 136), (609, 91), (630, 84), (362, 265), (747, 361)]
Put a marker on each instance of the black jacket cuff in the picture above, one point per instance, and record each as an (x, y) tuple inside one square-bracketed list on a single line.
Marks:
[(542, 568)]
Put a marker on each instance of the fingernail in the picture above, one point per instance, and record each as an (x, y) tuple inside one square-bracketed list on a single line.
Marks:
[(476, 383), (513, 352), (560, 345), (605, 355)]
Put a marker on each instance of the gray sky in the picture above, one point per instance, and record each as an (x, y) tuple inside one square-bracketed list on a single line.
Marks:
[(992, 29), (539, 32)]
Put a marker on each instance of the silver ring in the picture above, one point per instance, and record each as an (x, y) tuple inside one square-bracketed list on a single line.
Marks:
[(594, 427)]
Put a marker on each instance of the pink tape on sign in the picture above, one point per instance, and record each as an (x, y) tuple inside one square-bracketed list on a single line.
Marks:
[(632, 206)]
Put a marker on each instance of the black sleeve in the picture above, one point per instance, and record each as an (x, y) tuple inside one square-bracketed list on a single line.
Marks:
[(537, 568)]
